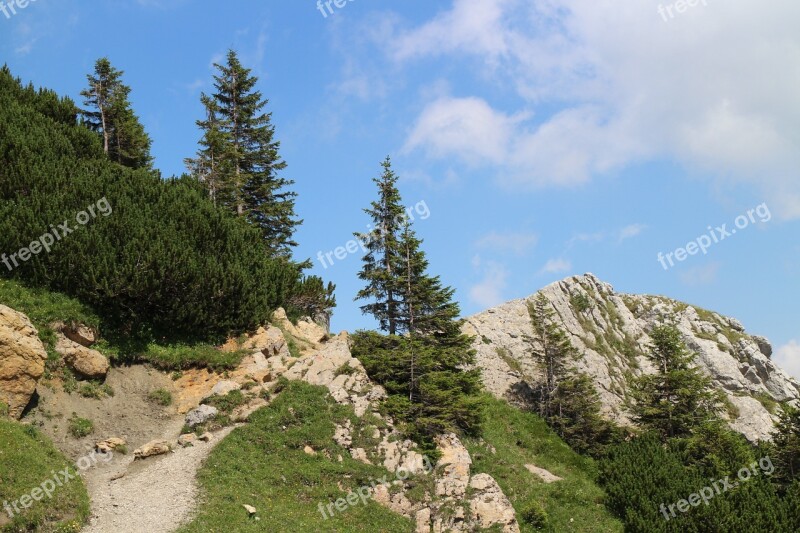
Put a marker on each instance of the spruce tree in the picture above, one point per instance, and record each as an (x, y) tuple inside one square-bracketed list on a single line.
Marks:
[(425, 363), (239, 158), (210, 167), (383, 252), (565, 398), (677, 399), (110, 114), (786, 446)]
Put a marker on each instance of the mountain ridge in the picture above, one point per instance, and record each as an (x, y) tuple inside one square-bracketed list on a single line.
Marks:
[(610, 331)]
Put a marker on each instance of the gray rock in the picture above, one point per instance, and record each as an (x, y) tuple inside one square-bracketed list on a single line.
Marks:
[(737, 362), (202, 414), (763, 345)]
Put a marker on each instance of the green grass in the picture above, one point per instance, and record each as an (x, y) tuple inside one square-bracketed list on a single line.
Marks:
[(79, 427), (185, 356), (769, 403), (520, 438), (45, 307), (263, 464), (161, 396), (27, 459), (95, 391), (512, 363)]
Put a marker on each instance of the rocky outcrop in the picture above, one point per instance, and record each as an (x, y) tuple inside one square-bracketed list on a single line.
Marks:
[(201, 415), (459, 502), (85, 361), (76, 332), (22, 359), (610, 330)]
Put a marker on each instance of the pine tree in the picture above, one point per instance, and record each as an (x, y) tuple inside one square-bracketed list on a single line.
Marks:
[(565, 398), (383, 252), (210, 167), (677, 399), (425, 363), (786, 445), (110, 114), (239, 158)]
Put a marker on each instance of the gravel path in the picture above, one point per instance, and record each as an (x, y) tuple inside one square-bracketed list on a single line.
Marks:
[(155, 495)]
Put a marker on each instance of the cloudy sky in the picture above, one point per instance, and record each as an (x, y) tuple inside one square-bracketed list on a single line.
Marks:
[(544, 138)]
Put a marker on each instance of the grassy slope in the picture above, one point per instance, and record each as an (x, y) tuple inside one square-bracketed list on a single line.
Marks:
[(26, 461), (263, 464), (44, 307), (520, 438)]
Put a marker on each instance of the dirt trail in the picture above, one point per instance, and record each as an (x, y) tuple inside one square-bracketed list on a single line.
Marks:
[(156, 495)]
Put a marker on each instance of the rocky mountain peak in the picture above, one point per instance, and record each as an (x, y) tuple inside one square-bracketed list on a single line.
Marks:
[(610, 330)]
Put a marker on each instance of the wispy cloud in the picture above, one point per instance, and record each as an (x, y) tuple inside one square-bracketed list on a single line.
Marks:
[(518, 243), (629, 232), (701, 275), (488, 292), (788, 357), (556, 266)]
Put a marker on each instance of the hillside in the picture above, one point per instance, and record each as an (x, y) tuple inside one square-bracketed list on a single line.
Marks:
[(609, 330)]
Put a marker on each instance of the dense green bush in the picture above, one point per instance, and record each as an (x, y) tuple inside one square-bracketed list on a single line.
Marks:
[(157, 258), (641, 475)]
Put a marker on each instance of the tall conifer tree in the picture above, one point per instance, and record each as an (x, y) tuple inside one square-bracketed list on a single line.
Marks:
[(240, 158), (110, 114), (210, 165), (383, 252), (678, 398)]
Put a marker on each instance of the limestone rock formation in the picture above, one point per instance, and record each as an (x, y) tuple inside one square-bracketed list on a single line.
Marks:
[(22, 358), (153, 448), (80, 333), (202, 414), (85, 361), (610, 330)]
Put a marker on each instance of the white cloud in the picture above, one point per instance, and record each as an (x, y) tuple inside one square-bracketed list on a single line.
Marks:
[(556, 266), (518, 243), (701, 275), (489, 291), (620, 85), (465, 127), (788, 358), (628, 232)]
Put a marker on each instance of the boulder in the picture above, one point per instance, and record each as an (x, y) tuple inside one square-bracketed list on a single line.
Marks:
[(224, 387), (109, 445), (201, 415), (489, 507), (187, 439), (22, 359), (152, 448), (269, 341), (454, 465), (544, 475), (85, 361), (80, 333)]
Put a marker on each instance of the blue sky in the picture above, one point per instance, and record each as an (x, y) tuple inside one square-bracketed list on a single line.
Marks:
[(546, 138)]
